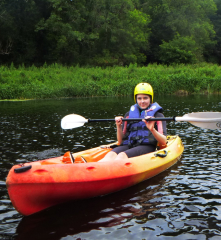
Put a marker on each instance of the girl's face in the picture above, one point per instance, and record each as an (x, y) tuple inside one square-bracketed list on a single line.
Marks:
[(143, 100)]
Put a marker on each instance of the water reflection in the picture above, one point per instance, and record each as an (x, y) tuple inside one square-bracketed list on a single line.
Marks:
[(182, 203), (104, 214)]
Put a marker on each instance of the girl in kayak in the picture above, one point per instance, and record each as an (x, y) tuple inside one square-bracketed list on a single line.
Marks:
[(138, 138)]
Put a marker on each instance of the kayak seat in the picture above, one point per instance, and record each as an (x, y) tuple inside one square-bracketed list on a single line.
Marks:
[(91, 156), (80, 159), (83, 159), (68, 158)]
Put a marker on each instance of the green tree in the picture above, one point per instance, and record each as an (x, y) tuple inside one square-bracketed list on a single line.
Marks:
[(188, 18), (17, 37), (179, 50), (123, 32), (97, 32), (109, 32), (6, 32), (61, 31), (215, 55)]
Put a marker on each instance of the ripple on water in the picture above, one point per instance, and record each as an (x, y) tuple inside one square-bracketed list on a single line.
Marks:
[(184, 202)]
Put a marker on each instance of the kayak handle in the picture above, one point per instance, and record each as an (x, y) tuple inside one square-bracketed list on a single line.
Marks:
[(22, 169), (161, 154)]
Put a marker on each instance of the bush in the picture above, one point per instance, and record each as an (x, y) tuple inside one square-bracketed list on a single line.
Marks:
[(56, 81)]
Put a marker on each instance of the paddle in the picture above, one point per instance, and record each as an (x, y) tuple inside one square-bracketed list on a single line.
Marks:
[(211, 120)]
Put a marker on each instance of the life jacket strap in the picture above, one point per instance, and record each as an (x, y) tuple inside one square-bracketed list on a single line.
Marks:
[(137, 128), (138, 138)]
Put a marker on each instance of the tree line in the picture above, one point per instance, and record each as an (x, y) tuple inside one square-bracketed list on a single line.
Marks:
[(109, 32)]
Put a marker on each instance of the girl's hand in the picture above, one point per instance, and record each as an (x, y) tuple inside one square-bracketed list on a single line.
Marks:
[(162, 140), (118, 120), (149, 124)]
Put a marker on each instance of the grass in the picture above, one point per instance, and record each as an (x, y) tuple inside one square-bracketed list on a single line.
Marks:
[(57, 81)]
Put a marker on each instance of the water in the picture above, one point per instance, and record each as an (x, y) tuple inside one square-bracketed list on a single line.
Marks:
[(183, 202)]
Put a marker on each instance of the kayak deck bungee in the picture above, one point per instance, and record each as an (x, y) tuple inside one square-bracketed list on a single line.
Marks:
[(35, 186)]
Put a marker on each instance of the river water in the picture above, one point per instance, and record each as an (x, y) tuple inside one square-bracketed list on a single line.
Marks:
[(183, 202)]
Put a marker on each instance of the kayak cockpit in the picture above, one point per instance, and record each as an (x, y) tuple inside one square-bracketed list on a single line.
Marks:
[(93, 155)]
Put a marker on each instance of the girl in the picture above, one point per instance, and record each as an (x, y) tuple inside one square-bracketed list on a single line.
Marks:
[(137, 138)]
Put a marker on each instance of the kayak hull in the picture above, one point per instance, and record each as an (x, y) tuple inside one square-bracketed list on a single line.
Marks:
[(50, 182)]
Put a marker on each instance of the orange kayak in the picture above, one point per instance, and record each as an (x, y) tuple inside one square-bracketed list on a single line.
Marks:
[(35, 186)]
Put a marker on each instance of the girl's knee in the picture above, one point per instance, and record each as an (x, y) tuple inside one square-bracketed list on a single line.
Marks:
[(109, 156), (121, 156)]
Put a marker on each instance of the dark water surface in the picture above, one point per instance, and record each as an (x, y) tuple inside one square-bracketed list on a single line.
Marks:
[(183, 202)]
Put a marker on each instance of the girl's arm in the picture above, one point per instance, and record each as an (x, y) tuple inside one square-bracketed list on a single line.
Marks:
[(118, 121), (162, 139)]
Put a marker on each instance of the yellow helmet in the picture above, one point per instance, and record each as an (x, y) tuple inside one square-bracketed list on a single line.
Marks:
[(143, 88)]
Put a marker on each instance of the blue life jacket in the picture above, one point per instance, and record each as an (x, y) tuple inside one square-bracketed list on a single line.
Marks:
[(138, 132)]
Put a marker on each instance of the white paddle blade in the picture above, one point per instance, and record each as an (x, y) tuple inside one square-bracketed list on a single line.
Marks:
[(72, 121), (211, 120)]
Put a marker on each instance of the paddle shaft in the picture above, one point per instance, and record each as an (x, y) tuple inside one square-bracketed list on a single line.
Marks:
[(210, 120), (133, 119)]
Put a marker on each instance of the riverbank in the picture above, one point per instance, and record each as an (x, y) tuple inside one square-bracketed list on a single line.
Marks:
[(57, 81)]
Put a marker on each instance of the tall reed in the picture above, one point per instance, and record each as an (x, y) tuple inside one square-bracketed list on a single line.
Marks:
[(56, 81)]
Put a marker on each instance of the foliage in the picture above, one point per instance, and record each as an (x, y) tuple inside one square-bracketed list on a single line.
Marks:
[(179, 50), (109, 32), (215, 56), (187, 18), (57, 81)]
